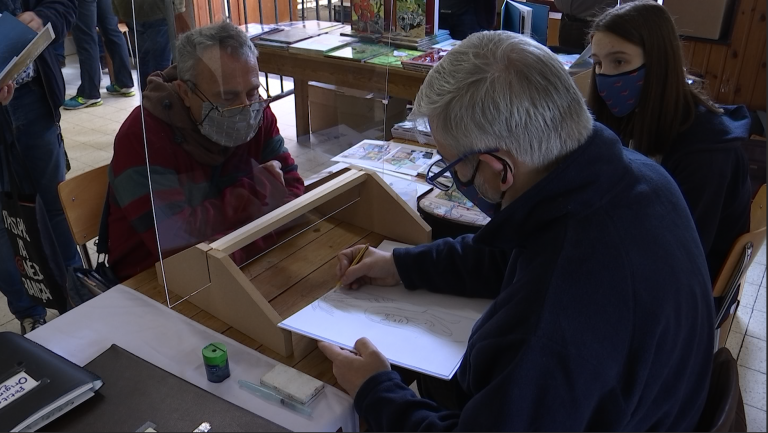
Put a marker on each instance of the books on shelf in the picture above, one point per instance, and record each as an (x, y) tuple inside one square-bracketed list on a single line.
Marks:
[(319, 45), (258, 30), (413, 131), (394, 58), (425, 62), (359, 52), (21, 46)]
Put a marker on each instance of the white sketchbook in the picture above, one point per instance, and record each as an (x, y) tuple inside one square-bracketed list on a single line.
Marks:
[(418, 330)]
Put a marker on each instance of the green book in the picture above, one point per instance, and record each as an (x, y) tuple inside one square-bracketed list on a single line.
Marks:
[(393, 59), (359, 52)]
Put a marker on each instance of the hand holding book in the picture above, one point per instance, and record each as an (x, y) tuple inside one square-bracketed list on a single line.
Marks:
[(6, 93)]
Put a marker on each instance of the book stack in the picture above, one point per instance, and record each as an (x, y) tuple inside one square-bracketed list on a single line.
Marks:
[(359, 52), (402, 40), (319, 45), (425, 62), (394, 58), (258, 30), (413, 131)]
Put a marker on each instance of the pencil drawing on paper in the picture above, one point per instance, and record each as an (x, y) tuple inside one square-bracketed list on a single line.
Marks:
[(388, 312)]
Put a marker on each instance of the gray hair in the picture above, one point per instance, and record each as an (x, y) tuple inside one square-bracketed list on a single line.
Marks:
[(225, 36), (501, 90)]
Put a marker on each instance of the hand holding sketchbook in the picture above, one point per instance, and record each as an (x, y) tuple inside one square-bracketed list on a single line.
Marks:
[(418, 330)]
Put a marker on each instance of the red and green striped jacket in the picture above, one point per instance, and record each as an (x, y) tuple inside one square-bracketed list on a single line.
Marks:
[(193, 202)]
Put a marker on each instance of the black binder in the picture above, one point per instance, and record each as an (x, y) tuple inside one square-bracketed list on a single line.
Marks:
[(137, 393), (61, 384)]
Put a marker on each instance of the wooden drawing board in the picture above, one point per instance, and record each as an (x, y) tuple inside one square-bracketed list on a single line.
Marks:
[(352, 208)]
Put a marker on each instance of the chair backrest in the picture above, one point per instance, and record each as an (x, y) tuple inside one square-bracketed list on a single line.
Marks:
[(82, 198), (724, 407), (757, 214), (726, 271)]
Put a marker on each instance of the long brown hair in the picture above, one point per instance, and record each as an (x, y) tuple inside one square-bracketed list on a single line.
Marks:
[(667, 102)]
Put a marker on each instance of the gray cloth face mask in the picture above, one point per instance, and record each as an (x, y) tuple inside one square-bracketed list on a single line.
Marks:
[(231, 127)]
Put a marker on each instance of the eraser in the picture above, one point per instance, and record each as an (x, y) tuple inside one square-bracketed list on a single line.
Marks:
[(292, 384)]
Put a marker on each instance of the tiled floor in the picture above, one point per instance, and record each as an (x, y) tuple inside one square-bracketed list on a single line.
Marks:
[(89, 135)]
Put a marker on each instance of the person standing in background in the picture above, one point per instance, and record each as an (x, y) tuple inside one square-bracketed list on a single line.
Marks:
[(31, 105), (151, 30), (90, 14), (464, 17), (577, 20)]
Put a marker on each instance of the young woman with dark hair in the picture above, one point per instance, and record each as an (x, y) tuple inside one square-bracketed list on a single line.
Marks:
[(641, 91)]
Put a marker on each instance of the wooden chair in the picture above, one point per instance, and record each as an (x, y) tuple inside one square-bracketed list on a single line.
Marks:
[(724, 407), (731, 278), (82, 198)]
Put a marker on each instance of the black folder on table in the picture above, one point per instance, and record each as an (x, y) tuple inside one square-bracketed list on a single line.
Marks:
[(37, 385), (137, 393)]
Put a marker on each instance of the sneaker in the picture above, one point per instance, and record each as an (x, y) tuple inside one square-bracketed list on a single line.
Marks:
[(104, 71), (31, 323), (79, 102), (113, 89)]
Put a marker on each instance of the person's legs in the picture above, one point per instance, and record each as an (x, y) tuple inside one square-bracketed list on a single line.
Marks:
[(573, 34), (114, 43), (154, 48), (39, 141), (87, 44)]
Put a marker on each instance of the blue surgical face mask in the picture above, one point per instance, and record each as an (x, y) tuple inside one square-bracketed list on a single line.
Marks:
[(469, 191), (621, 92)]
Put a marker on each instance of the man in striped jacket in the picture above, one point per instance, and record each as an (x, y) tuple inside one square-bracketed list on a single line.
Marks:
[(216, 158)]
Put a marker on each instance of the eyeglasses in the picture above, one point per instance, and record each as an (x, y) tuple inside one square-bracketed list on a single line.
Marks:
[(441, 174), (261, 103)]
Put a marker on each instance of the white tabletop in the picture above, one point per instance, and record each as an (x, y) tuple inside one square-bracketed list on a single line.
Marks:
[(174, 343)]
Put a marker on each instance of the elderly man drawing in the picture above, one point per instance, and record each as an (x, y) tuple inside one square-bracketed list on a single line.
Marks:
[(216, 158), (602, 316)]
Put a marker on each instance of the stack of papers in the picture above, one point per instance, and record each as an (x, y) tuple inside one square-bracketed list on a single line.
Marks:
[(415, 329), (320, 45)]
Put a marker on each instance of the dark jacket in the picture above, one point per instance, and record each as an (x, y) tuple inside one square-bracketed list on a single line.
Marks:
[(602, 316), (61, 15), (711, 169)]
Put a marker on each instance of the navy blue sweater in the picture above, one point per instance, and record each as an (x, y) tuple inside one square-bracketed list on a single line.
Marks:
[(61, 15), (711, 169), (602, 316)]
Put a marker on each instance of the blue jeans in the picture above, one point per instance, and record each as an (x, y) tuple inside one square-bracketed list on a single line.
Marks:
[(39, 140), (153, 46), (90, 14)]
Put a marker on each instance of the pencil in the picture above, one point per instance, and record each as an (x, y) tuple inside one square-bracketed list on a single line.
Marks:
[(356, 261)]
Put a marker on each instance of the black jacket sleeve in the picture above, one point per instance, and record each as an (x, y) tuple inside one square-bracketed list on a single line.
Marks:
[(59, 13), (456, 267)]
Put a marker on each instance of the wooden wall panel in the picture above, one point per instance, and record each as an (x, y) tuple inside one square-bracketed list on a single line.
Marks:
[(217, 11), (758, 92), (735, 57), (751, 58), (734, 72)]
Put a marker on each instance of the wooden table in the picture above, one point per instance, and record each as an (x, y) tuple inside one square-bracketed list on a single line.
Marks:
[(314, 363), (395, 82)]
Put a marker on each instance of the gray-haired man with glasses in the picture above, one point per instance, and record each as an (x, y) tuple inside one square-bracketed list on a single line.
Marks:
[(216, 157), (602, 316)]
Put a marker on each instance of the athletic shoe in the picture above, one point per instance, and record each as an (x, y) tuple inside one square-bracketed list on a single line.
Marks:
[(113, 89), (31, 323), (79, 102)]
